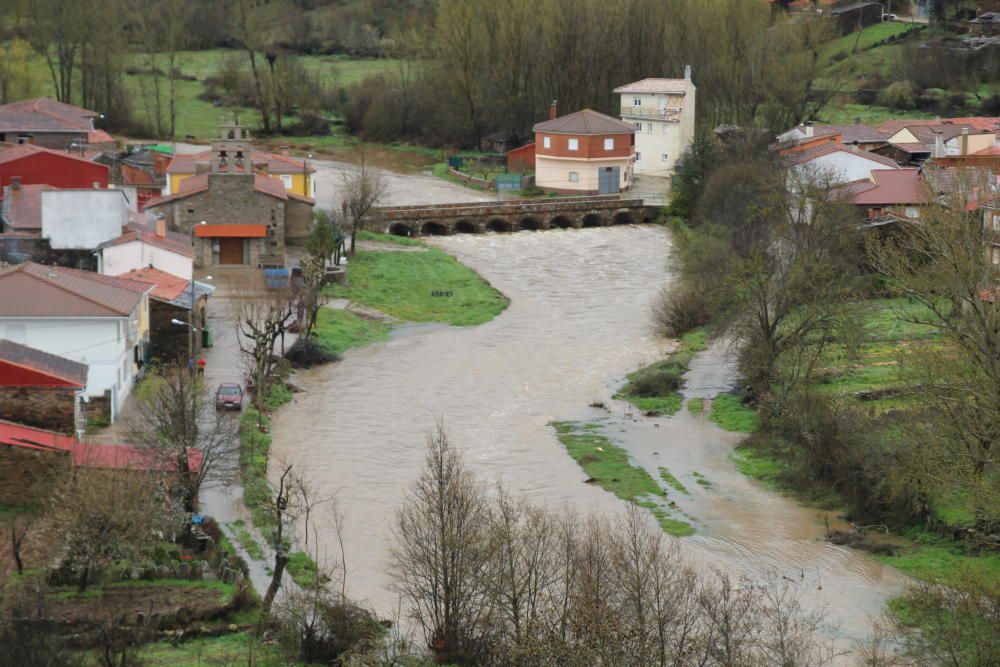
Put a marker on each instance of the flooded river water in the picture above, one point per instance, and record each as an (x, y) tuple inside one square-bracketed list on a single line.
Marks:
[(577, 322)]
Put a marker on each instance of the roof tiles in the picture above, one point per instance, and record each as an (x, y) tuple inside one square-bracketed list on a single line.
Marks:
[(585, 122), (35, 290)]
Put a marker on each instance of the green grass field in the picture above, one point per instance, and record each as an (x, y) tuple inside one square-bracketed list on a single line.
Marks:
[(427, 286), (729, 413), (339, 330)]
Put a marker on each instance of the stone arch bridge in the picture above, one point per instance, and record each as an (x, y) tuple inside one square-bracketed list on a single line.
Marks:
[(513, 215)]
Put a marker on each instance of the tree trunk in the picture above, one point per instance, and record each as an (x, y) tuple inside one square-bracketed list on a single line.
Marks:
[(265, 112), (280, 561), (84, 576)]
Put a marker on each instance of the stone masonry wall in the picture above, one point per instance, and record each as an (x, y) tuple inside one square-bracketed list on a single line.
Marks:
[(41, 407), (27, 475)]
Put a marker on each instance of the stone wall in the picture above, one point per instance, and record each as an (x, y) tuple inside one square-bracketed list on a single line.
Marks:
[(17, 249), (298, 220), (27, 475), (41, 407)]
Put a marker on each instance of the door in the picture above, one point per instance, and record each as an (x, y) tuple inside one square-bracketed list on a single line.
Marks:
[(608, 179), (230, 251)]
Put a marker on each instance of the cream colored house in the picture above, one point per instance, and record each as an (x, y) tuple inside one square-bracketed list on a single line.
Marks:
[(662, 112), (946, 139)]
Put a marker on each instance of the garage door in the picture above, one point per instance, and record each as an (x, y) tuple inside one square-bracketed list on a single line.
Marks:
[(230, 251)]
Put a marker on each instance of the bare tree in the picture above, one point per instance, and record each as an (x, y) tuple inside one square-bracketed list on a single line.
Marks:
[(177, 423), (441, 548), (364, 187), (260, 321)]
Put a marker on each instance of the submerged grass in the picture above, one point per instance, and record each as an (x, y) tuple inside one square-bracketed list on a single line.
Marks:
[(654, 388), (339, 330), (696, 405), (669, 478), (427, 286), (608, 465)]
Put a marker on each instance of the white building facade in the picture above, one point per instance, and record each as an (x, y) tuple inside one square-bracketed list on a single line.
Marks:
[(663, 114)]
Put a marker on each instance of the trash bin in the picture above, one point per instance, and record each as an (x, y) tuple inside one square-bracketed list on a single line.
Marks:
[(206, 337)]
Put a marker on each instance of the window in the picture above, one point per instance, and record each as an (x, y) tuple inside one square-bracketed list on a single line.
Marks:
[(574, 144), (609, 144), (664, 157), (574, 177), (649, 128), (996, 222), (638, 127), (547, 142), (286, 180), (638, 156), (637, 101)]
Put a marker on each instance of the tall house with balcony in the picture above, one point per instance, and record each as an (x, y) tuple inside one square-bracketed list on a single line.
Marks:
[(662, 113)]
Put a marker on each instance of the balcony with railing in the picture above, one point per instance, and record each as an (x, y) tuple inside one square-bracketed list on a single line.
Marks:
[(666, 113)]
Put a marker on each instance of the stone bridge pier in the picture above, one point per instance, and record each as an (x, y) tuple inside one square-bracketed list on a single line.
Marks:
[(514, 216)]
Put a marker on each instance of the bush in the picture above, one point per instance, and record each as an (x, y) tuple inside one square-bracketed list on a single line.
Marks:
[(657, 380), (898, 95), (679, 309), (309, 125), (306, 353)]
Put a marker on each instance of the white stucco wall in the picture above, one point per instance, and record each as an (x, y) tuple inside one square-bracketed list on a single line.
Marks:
[(661, 133), (122, 258), (552, 172), (100, 343), (843, 166), (82, 219)]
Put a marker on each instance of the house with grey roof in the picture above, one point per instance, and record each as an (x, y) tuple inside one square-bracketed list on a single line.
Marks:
[(662, 112)]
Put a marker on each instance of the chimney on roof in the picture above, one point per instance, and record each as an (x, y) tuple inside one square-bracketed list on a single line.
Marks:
[(284, 151), (938, 144), (687, 72), (97, 186), (965, 141), (810, 130), (161, 228), (15, 183), (854, 146), (552, 110)]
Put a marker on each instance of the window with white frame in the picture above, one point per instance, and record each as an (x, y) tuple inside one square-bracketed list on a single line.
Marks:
[(574, 144), (664, 158), (649, 128), (546, 142), (638, 156), (286, 180), (637, 101), (609, 144), (574, 177)]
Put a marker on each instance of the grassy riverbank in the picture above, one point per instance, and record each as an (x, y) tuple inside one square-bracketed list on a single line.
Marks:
[(338, 330), (609, 467), (429, 286), (654, 389)]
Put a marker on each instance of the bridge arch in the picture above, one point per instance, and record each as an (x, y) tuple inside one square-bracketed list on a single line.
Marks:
[(593, 220), (623, 218), (498, 225), (561, 221), (400, 229), (434, 229), (529, 222), (465, 227)]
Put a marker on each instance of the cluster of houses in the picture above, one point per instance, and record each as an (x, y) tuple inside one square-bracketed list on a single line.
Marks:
[(98, 252)]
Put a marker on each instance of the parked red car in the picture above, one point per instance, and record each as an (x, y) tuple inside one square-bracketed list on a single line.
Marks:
[(229, 396)]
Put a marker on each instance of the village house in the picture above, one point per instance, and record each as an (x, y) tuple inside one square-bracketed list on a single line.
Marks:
[(171, 301), (900, 192), (297, 176), (142, 168), (40, 389), (60, 226), (663, 113), (46, 122), (35, 165), (139, 247), (802, 137), (585, 152), (234, 215), (838, 162), (93, 319)]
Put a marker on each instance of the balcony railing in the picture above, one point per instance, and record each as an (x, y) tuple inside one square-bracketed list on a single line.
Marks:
[(669, 113)]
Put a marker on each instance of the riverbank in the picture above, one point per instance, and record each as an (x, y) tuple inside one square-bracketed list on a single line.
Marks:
[(654, 389)]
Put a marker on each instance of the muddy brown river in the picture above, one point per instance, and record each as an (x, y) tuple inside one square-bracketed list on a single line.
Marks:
[(577, 323)]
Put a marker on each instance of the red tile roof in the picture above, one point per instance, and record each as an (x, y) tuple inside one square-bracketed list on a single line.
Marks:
[(35, 290), (116, 457), (22, 208), (193, 185), (58, 368), (889, 187), (229, 231), (166, 286), (135, 232), (801, 157), (586, 121), (276, 164), (46, 115), (10, 152), (980, 123)]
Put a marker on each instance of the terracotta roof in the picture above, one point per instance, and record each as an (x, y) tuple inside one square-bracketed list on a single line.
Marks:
[(229, 231), (46, 115), (893, 126), (672, 86), (115, 457), (811, 154), (10, 152), (193, 185), (35, 290), (587, 121), (43, 362), (927, 134), (166, 286), (891, 187), (134, 232), (851, 132), (992, 151), (22, 208), (276, 164)]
